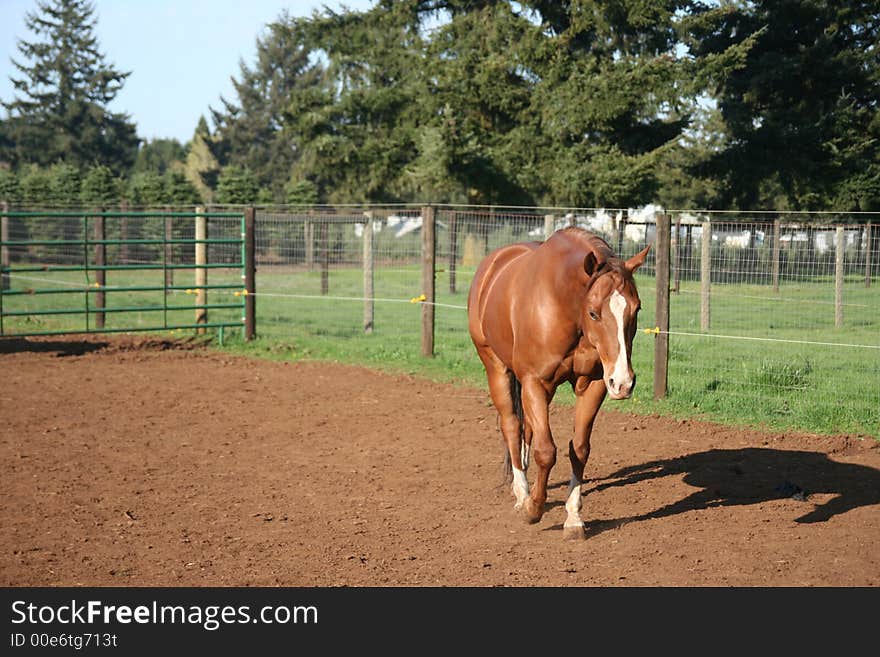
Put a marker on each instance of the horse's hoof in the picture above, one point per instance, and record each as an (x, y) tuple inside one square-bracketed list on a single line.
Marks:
[(532, 512), (574, 533)]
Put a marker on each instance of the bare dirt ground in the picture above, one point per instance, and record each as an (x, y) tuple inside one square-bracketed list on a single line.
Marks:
[(135, 461)]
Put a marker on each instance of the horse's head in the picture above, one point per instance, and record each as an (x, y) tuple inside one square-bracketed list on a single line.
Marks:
[(609, 318)]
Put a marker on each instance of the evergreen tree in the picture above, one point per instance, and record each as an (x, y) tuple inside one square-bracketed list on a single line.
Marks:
[(10, 189), (202, 168), (35, 186), (501, 102), (64, 185), (354, 129), (146, 189), (236, 185), (301, 192), (679, 185), (477, 88), (159, 155), (100, 188), (179, 190), (250, 130), (800, 106), (60, 109)]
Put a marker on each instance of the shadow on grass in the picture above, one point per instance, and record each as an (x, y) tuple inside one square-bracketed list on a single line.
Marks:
[(734, 477)]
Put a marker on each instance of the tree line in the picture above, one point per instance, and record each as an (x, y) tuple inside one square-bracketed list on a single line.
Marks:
[(737, 104)]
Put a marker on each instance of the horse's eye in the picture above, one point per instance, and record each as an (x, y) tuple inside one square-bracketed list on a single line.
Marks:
[(594, 316)]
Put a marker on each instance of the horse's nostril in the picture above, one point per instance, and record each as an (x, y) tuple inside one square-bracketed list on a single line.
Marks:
[(611, 382)]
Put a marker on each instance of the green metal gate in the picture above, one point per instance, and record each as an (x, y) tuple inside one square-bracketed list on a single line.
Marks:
[(104, 272)]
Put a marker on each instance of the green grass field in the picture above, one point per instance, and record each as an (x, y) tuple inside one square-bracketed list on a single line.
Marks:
[(775, 385), (768, 384)]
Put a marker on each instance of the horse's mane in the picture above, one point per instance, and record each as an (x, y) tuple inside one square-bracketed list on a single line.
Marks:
[(607, 260), (591, 241)]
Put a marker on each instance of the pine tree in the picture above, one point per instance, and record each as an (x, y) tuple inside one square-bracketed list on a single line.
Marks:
[(60, 109), (146, 189), (100, 188), (301, 192), (35, 186), (159, 155), (10, 189), (64, 185), (236, 186), (201, 166), (799, 105), (179, 190), (250, 130)]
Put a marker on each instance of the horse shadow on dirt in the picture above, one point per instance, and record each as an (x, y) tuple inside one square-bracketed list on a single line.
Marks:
[(733, 477), (59, 347)]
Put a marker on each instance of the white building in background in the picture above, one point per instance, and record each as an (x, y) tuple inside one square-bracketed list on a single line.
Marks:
[(359, 228)]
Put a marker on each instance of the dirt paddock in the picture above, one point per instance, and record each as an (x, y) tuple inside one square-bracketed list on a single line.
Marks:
[(135, 461)]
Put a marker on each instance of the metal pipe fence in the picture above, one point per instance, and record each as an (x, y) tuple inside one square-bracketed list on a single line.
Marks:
[(70, 271)]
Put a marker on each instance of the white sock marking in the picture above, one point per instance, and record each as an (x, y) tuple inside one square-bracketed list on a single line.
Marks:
[(520, 487), (573, 504)]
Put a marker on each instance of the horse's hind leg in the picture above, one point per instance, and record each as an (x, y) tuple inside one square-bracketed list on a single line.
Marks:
[(499, 378), (590, 395)]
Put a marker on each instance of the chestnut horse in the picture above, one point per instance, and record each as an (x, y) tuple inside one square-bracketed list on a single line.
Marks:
[(541, 314)]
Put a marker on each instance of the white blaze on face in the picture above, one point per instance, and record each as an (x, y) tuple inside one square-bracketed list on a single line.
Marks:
[(620, 375)]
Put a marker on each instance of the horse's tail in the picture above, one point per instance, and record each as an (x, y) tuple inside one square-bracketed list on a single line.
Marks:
[(516, 396)]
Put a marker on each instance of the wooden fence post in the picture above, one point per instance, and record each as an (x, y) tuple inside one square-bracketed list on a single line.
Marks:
[(661, 314), (621, 232), (368, 273), (868, 254), (100, 263), (705, 275), (324, 241), (549, 225), (4, 250), (689, 247), (777, 246), (429, 247), (676, 261), (250, 273), (201, 259), (838, 277), (309, 237), (453, 248)]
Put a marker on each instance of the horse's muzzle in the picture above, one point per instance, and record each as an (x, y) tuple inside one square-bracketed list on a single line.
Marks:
[(620, 389)]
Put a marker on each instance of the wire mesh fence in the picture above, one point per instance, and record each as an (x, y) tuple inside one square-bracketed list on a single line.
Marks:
[(747, 311), (777, 317), (772, 316)]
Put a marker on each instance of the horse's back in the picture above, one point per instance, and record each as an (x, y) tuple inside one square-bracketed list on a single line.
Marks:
[(492, 287), (527, 289)]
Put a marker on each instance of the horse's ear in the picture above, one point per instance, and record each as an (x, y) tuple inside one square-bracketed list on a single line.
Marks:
[(637, 260), (591, 263)]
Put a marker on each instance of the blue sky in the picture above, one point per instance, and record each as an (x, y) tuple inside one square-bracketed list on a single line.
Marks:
[(181, 52)]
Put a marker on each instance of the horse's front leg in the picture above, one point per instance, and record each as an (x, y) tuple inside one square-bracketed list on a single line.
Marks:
[(589, 395), (536, 400)]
